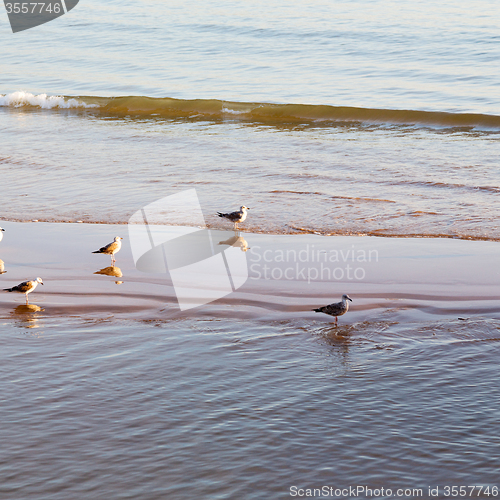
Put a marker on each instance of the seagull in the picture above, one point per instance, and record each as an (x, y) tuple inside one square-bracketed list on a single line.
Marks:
[(235, 217), (336, 309), (25, 287), (1, 233), (111, 249)]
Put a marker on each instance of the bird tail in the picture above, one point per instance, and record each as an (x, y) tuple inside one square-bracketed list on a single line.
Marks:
[(220, 214), (317, 310), (8, 289), (97, 251)]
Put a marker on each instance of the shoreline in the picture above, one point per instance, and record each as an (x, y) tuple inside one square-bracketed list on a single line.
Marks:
[(389, 279), (294, 231)]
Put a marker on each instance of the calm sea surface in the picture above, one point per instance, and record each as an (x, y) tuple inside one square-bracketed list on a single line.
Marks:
[(335, 118), (190, 409)]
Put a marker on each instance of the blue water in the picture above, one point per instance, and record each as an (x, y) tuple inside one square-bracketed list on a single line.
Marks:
[(320, 170), (385, 54)]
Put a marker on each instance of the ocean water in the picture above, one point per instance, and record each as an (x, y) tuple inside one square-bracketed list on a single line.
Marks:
[(340, 119), (206, 408), (384, 54)]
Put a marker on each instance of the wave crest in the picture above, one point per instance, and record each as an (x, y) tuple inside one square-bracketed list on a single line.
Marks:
[(291, 113), (26, 99)]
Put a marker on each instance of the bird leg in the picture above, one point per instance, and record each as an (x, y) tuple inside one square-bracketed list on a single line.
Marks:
[(26, 299)]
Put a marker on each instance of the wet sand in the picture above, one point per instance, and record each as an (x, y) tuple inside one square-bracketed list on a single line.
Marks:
[(402, 279)]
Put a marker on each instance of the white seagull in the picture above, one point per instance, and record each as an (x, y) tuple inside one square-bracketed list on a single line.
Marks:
[(25, 287), (111, 248), (1, 233), (235, 217), (336, 309)]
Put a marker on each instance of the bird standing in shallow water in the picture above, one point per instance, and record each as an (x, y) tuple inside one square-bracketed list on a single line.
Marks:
[(111, 249), (25, 287), (336, 309), (235, 217)]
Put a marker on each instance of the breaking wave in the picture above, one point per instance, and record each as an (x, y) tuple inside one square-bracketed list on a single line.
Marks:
[(166, 107), (43, 101)]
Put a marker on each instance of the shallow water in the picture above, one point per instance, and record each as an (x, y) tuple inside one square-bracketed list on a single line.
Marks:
[(207, 408), (337, 179)]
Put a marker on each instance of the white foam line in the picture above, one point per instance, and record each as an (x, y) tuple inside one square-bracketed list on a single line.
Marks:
[(233, 112), (20, 99)]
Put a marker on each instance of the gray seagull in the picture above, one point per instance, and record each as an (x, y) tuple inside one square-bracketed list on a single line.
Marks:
[(235, 217), (25, 287), (336, 309)]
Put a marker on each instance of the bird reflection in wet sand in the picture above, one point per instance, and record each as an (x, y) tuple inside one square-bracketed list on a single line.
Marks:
[(236, 241), (114, 271), (2, 267), (27, 315), (25, 287)]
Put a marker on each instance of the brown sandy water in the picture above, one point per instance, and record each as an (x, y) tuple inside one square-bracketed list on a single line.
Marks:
[(110, 391)]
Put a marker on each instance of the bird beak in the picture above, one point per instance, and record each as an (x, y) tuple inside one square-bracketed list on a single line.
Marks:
[(3, 229), (349, 298)]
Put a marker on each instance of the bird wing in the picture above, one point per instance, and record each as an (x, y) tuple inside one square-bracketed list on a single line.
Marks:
[(233, 216), (111, 247), (336, 309), (23, 287)]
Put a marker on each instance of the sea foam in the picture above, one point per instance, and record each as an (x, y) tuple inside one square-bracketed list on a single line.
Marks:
[(44, 101)]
